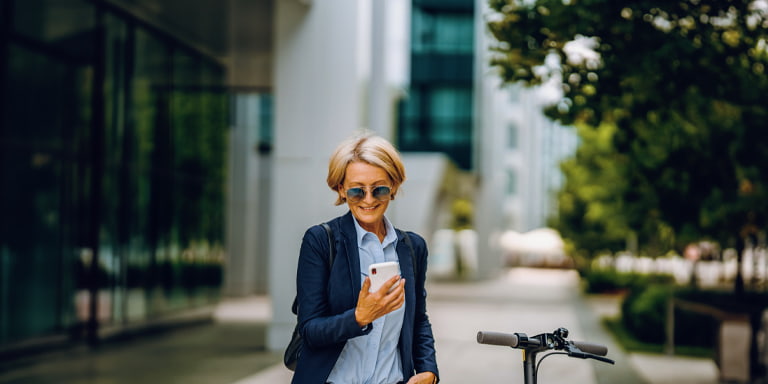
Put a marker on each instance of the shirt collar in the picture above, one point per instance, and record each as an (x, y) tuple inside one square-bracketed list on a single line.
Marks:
[(390, 237)]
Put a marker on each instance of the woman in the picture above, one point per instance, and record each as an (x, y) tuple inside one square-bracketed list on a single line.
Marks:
[(352, 335)]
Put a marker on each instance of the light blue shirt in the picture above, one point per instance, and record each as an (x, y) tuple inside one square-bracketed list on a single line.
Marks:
[(373, 358)]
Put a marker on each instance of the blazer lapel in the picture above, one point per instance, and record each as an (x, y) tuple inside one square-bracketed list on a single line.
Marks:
[(349, 241), (406, 269)]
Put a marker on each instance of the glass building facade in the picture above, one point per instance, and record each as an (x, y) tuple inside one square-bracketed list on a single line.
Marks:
[(113, 141), (437, 114)]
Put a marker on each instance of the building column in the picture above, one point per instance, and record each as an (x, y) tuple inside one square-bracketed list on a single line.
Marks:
[(489, 141), (318, 77), (246, 200)]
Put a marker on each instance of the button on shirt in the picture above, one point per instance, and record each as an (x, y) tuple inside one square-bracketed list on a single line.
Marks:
[(373, 358)]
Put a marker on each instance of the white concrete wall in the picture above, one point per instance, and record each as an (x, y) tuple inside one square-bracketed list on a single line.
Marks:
[(415, 206), (317, 104), (490, 139)]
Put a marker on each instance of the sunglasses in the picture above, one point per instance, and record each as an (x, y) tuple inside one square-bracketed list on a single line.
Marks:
[(381, 193)]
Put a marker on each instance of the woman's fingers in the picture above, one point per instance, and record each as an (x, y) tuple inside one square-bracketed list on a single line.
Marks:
[(396, 297), (389, 285), (371, 306)]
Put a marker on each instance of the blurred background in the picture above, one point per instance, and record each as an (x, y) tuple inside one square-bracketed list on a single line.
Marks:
[(162, 156)]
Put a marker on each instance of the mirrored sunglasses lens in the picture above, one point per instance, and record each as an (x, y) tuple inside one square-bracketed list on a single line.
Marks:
[(355, 194), (381, 193)]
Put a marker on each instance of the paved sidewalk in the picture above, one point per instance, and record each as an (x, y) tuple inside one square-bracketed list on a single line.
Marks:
[(230, 350), (531, 301), (523, 300)]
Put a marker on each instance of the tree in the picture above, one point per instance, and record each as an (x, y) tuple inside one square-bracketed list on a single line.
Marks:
[(589, 218), (594, 215), (683, 81)]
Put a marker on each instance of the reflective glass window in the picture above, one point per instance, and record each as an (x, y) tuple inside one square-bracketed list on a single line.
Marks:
[(451, 110), (442, 32), (62, 24), (144, 206), (45, 190)]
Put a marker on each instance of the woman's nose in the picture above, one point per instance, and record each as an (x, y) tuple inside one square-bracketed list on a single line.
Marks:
[(369, 196)]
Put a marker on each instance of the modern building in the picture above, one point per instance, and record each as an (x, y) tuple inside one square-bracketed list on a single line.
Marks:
[(437, 114), (157, 154), (532, 150), (113, 132), (496, 133), (520, 152)]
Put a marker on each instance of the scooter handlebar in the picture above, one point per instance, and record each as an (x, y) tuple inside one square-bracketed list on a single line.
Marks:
[(498, 338), (514, 340)]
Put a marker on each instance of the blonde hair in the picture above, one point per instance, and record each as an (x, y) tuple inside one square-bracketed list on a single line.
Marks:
[(366, 148)]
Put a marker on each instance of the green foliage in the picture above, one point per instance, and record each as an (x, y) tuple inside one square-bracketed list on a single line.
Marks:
[(462, 212), (589, 214), (644, 313), (630, 343), (672, 91), (609, 280), (643, 317)]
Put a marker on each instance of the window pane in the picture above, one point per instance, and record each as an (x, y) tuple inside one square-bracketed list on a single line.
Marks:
[(450, 109), (199, 127), (512, 132), (511, 182), (442, 32), (44, 168), (63, 23)]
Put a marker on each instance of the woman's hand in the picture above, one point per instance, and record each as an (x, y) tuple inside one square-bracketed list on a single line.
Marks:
[(423, 378), (372, 305)]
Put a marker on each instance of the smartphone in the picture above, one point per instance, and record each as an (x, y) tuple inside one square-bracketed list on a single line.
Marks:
[(381, 272)]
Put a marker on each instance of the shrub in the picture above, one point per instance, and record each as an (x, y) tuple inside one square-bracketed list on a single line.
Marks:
[(610, 281), (644, 313)]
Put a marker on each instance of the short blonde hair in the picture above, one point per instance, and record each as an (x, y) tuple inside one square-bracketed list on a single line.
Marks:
[(366, 148)]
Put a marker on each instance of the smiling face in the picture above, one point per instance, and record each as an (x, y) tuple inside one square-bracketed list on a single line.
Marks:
[(369, 211)]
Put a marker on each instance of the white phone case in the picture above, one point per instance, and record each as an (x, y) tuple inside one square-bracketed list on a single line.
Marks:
[(381, 272)]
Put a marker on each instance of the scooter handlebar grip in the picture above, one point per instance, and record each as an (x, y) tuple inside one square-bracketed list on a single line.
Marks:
[(595, 349), (497, 338)]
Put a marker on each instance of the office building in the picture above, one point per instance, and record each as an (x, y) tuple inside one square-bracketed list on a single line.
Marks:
[(437, 114), (157, 154), (113, 132)]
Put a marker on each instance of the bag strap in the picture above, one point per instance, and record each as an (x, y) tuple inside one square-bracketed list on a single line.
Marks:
[(407, 239), (329, 231), (331, 254)]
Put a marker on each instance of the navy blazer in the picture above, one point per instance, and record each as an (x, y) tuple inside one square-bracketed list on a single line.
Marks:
[(327, 301)]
